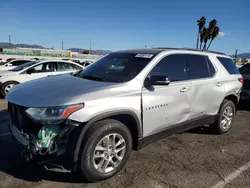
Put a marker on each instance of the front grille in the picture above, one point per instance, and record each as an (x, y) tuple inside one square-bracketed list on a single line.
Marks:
[(20, 120), (246, 85)]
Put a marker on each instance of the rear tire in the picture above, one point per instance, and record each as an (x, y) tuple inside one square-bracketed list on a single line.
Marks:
[(105, 150), (7, 86), (225, 119)]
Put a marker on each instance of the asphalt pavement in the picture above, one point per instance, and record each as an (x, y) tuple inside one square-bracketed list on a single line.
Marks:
[(196, 158)]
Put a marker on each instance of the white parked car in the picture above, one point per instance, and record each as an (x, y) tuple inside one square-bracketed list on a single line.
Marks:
[(34, 70), (13, 63)]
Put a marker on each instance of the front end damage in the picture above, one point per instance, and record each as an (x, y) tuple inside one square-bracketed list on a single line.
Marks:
[(43, 142)]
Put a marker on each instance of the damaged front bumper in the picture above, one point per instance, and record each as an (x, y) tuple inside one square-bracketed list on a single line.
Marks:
[(49, 145)]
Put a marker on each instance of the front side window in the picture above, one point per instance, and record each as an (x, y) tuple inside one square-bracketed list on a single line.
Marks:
[(44, 67), (173, 67), (116, 67), (198, 66)]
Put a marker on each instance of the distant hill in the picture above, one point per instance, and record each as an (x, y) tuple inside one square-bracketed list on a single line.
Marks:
[(95, 52), (7, 45), (79, 50), (243, 56)]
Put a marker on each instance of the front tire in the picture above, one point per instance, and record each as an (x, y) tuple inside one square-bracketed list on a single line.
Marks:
[(7, 86), (225, 119), (105, 150)]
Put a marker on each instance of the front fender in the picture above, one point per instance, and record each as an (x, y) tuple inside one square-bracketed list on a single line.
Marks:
[(86, 125)]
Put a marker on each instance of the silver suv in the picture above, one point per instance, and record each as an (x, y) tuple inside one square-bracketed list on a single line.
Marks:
[(90, 120)]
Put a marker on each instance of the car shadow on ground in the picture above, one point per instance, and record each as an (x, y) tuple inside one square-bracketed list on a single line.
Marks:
[(35, 173), (244, 106), (12, 163), (202, 130)]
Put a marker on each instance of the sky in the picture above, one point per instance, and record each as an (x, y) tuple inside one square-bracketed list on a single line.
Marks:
[(124, 24)]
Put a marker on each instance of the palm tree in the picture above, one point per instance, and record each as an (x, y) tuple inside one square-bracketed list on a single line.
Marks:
[(202, 36), (209, 31), (206, 37), (201, 23), (214, 34)]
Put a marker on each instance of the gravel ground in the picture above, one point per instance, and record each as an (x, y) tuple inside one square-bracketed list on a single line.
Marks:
[(195, 158)]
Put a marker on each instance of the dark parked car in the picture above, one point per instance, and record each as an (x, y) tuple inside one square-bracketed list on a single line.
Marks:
[(245, 72)]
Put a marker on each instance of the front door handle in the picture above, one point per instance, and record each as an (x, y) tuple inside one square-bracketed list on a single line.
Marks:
[(218, 84), (183, 90)]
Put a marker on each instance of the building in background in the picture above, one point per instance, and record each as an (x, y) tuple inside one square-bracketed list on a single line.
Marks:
[(36, 52), (248, 60)]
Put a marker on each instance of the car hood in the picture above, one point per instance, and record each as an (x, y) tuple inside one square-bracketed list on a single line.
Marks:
[(7, 73), (3, 68), (60, 90)]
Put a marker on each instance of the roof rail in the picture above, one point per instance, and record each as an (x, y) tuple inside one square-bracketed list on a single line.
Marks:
[(191, 49), (201, 50), (166, 48)]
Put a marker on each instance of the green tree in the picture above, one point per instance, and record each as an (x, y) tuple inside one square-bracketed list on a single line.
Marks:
[(201, 24), (85, 52)]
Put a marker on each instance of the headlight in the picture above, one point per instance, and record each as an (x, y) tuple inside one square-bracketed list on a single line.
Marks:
[(52, 114)]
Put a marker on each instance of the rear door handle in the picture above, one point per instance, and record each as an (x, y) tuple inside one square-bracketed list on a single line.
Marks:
[(218, 84), (183, 90)]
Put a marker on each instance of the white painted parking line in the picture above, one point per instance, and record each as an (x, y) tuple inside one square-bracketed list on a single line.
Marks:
[(232, 176), (4, 134)]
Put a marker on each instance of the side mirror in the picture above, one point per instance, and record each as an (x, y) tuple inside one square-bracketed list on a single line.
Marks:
[(31, 70), (156, 80)]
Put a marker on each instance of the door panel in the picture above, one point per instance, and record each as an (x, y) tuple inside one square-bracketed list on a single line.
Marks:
[(207, 96), (207, 87), (164, 106)]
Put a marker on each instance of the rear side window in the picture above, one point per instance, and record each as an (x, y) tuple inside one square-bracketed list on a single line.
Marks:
[(229, 65), (199, 67), (212, 70)]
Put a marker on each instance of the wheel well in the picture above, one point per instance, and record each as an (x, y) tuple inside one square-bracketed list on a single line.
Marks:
[(131, 123), (232, 98), (10, 81)]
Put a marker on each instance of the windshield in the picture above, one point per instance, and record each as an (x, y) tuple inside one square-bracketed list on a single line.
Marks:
[(23, 66), (116, 67)]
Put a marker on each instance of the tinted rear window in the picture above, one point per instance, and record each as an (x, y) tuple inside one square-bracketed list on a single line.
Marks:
[(198, 66), (229, 65)]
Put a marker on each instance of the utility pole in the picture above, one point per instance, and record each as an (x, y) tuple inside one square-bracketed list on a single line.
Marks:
[(10, 41), (62, 44), (236, 51), (90, 47)]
